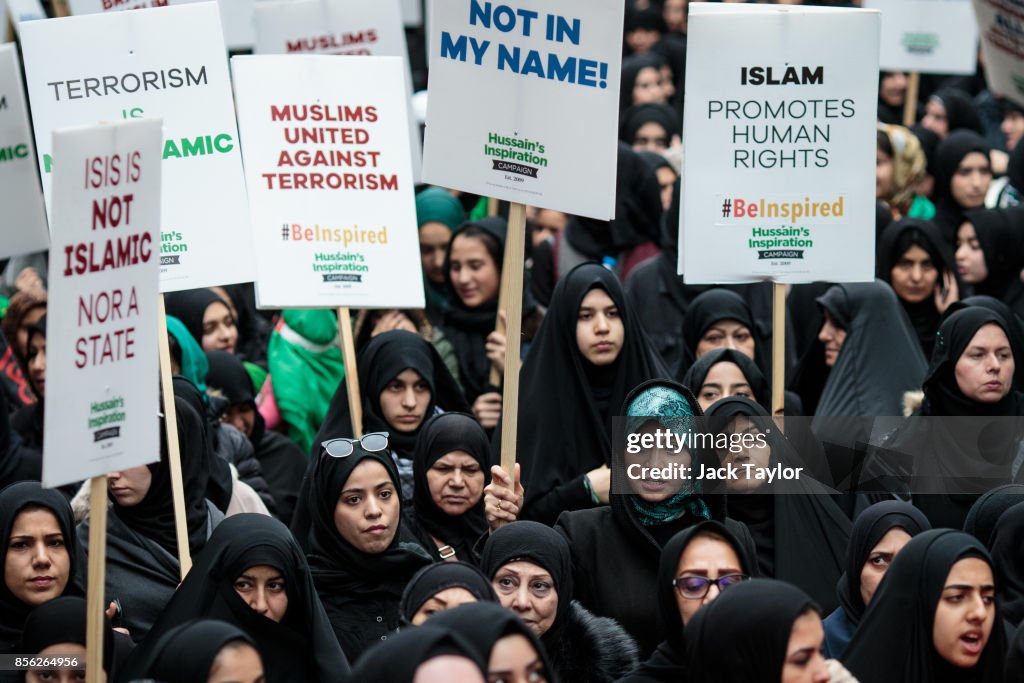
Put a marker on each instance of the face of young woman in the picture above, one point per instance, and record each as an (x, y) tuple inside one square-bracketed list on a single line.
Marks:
[(1013, 128), (892, 88), (644, 467), (966, 613), (529, 591), (434, 239), (62, 675), (515, 660), (804, 660), (37, 564), (970, 259), (237, 663), (833, 337), (651, 137), (27, 321), (366, 514), (130, 486), (727, 334), (456, 482), (723, 379), (914, 275), (600, 332), (648, 87), (935, 118), (707, 558), (984, 371), (219, 331), (404, 401), (36, 361), (263, 589), (883, 175), (752, 449), (449, 598), (970, 182), (474, 273), (878, 561), (666, 180), (547, 224)]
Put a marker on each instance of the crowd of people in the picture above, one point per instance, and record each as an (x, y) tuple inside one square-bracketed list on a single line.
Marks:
[(401, 550)]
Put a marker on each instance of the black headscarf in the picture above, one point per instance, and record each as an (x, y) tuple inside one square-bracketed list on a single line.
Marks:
[(302, 646), (1015, 654), (189, 306), (13, 500), (220, 484), (698, 372), (960, 110), (483, 624), (467, 328), (1016, 327), (185, 654), (896, 240), (634, 118), (669, 661), (434, 578), (62, 620), (396, 660), (989, 508), (868, 529), (744, 633), (543, 546), (384, 358), (948, 155), (153, 516), (631, 68), (575, 422), (707, 309), (1000, 234), (440, 436), (1007, 546), (340, 570), (894, 642)]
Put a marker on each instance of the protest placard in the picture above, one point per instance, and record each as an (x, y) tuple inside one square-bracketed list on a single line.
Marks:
[(101, 342), (779, 137), (24, 11), (1001, 25), (524, 101), (236, 15), (126, 65), (338, 27), (322, 132), (97, 6), (927, 36), (24, 219)]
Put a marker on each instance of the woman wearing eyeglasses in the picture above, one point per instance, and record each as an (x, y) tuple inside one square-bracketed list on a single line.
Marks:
[(360, 555), (530, 569), (697, 565)]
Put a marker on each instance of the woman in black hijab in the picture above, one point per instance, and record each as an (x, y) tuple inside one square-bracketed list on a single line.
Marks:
[(990, 254), (879, 533), (512, 650), (1013, 321), (530, 567), (207, 317), (933, 618), (204, 650), (360, 554), (986, 511), (650, 127), (41, 518), (918, 264), (142, 548), (718, 318), (450, 469), (962, 176), (799, 531), (949, 110), (61, 622), (642, 81), (1007, 547), (428, 654), (253, 575), (744, 378), (709, 551), (404, 383), (594, 350), (443, 586), (760, 631)]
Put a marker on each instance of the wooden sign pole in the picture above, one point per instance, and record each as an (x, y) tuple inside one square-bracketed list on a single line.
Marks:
[(348, 353), (513, 269), (778, 348), (173, 450), (96, 594), (910, 103)]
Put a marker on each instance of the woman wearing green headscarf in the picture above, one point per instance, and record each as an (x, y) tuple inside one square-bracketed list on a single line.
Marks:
[(438, 213)]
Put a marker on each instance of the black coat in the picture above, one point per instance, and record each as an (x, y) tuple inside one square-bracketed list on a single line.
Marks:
[(233, 447), (592, 649), (615, 568)]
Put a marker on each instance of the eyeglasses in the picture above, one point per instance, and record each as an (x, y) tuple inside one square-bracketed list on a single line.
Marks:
[(696, 587), (342, 447)]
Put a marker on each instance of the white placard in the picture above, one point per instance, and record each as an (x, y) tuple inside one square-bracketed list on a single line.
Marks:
[(236, 15), (23, 227), (524, 101), (1001, 24), (412, 12), (338, 27), (322, 132), (102, 365), (24, 11), (927, 36), (108, 67), (97, 6), (780, 158)]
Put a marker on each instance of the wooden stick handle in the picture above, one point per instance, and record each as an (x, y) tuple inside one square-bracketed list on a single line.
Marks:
[(910, 104), (513, 266), (97, 595), (173, 450), (778, 347), (348, 353)]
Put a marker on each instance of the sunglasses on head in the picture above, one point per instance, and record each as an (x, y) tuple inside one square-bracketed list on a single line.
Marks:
[(342, 447)]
